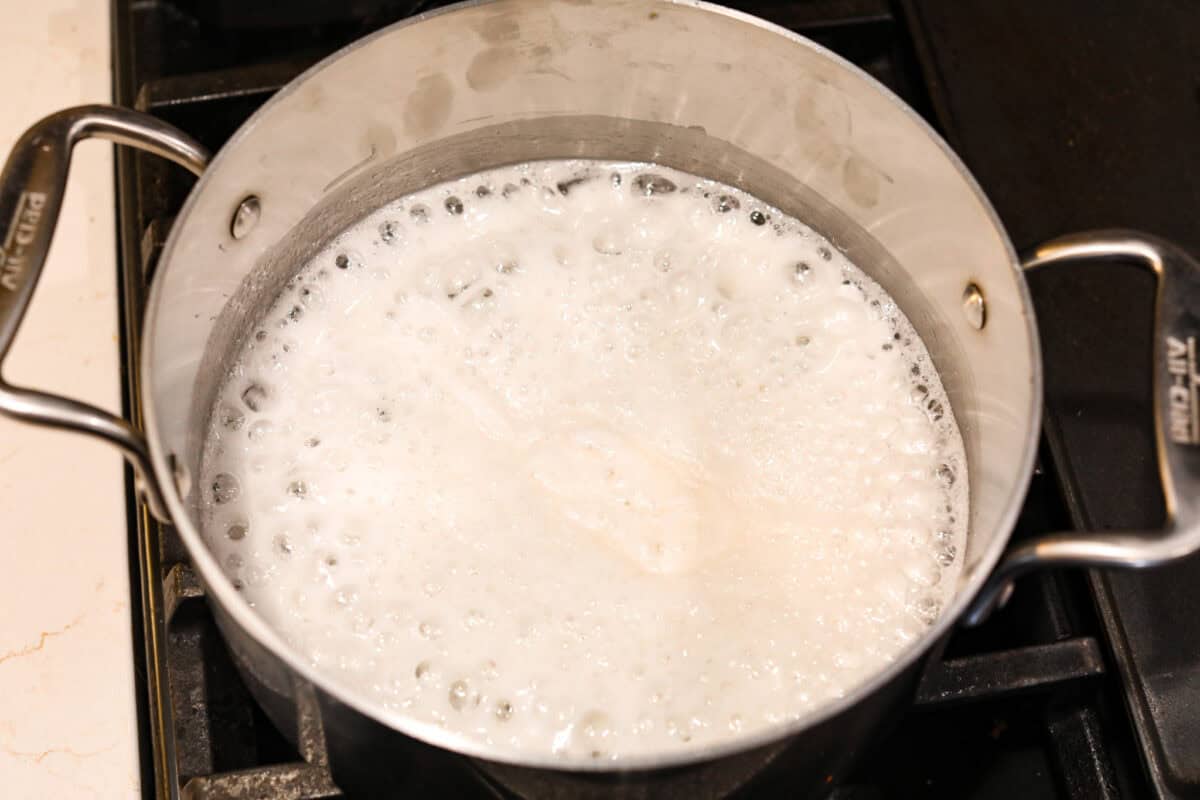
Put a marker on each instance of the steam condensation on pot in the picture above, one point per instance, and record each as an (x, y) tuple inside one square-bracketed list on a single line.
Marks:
[(589, 458)]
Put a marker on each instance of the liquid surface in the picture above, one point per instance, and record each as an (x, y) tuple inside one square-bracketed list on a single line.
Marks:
[(588, 458)]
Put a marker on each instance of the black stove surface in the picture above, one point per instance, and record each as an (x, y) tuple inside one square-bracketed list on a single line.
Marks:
[(1072, 114)]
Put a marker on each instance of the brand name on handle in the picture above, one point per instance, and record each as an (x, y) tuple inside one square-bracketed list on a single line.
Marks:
[(1183, 427), (21, 234)]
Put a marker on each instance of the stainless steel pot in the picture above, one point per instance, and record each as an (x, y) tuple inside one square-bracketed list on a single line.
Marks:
[(690, 85)]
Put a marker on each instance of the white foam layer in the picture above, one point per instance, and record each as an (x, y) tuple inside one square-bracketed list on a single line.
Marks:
[(617, 465)]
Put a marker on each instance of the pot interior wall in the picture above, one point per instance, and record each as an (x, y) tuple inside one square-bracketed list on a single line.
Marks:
[(691, 86)]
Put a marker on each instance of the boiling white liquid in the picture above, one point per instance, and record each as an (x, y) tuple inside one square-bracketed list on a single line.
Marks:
[(597, 468)]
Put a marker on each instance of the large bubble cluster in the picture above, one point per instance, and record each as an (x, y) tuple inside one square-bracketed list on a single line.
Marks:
[(588, 458)]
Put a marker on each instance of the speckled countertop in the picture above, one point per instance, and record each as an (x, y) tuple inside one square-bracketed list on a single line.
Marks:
[(67, 713)]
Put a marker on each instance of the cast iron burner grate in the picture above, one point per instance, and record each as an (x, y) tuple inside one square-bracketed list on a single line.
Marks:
[(1028, 705)]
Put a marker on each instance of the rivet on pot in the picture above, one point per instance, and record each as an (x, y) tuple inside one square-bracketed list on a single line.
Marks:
[(974, 307), (245, 217)]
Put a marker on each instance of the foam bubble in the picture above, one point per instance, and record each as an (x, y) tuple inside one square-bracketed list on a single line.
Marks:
[(389, 231), (231, 418), (259, 429), (255, 396), (225, 488), (462, 697)]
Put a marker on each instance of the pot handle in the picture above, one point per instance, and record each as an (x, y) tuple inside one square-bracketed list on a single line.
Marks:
[(1176, 422), (31, 191)]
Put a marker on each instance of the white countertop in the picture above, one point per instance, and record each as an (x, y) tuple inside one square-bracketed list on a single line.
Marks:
[(67, 717)]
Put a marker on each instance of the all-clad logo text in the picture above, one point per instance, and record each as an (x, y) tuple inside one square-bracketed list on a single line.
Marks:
[(21, 234), (1183, 425)]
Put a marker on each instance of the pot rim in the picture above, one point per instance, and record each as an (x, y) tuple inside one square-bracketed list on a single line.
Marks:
[(234, 604)]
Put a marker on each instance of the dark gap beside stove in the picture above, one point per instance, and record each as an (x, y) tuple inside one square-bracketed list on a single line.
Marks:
[(1029, 705)]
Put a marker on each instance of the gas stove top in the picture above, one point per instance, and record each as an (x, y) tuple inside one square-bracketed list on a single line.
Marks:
[(1072, 114)]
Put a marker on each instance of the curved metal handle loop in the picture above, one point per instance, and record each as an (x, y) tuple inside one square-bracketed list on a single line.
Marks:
[(31, 191), (1176, 422)]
